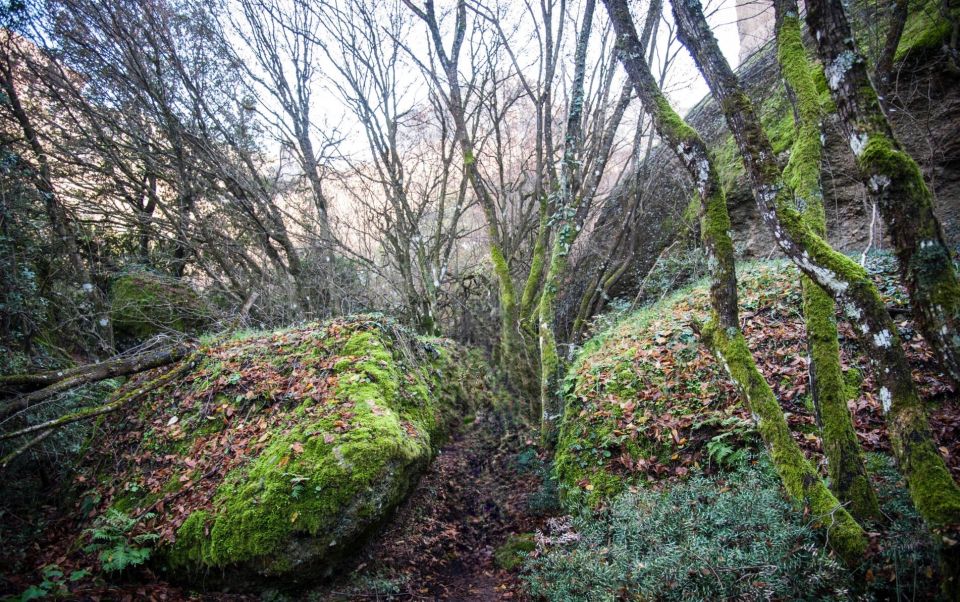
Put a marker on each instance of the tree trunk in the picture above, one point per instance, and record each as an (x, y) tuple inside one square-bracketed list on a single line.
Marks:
[(723, 334), (894, 182), (898, 19), (848, 474), (567, 228)]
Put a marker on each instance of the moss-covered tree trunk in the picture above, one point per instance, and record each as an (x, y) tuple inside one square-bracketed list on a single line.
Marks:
[(932, 488), (848, 474), (894, 182), (723, 334), (566, 230)]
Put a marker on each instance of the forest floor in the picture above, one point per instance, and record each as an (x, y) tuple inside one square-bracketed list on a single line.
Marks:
[(485, 485)]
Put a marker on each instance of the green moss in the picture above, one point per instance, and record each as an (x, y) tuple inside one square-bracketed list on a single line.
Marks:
[(512, 553), (925, 29), (532, 286), (802, 175), (143, 304), (303, 481), (609, 386)]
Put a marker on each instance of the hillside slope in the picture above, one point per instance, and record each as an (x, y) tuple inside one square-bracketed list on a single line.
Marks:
[(647, 402)]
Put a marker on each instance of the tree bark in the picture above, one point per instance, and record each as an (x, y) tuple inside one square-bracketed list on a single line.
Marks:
[(898, 19), (848, 474)]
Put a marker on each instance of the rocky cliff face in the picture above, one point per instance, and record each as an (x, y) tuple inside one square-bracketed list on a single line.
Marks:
[(754, 25), (924, 107)]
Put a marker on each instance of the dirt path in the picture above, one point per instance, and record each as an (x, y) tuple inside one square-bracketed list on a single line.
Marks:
[(440, 544)]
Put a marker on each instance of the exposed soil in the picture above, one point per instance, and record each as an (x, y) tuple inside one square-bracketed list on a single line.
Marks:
[(440, 544)]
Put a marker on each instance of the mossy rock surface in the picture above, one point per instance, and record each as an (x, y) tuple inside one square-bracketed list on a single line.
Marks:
[(646, 402), (280, 452), (143, 304), (514, 551)]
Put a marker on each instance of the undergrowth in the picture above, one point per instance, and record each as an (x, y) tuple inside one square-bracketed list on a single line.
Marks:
[(726, 537)]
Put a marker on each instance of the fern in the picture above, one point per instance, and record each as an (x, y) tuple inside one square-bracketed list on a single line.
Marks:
[(116, 547)]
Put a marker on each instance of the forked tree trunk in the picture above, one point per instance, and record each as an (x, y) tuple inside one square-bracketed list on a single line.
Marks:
[(932, 488), (566, 230), (848, 474), (513, 348), (894, 182), (723, 333)]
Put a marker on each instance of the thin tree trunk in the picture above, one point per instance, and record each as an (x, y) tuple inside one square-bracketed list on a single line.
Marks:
[(567, 228), (62, 380), (512, 346), (898, 19)]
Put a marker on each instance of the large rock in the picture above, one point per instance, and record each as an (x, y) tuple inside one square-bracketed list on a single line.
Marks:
[(279, 452), (143, 304)]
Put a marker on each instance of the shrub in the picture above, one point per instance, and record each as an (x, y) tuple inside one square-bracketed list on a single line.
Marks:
[(707, 538)]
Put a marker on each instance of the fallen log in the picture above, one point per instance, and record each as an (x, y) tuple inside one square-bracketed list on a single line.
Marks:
[(117, 401), (58, 381)]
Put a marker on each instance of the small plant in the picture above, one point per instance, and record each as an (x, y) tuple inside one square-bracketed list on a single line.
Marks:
[(54, 584), (297, 483), (720, 450), (514, 551), (906, 567), (732, 448), (375, 586), (116, 546)]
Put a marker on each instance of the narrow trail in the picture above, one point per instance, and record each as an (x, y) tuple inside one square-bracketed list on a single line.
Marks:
[(440, 543)]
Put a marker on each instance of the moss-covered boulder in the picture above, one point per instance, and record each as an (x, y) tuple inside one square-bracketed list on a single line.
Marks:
[(143, 304), (279, 452), (646, 401)]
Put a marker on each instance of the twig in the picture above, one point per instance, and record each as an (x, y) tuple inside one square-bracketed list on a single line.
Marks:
[(873, 224), (16, 453)]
